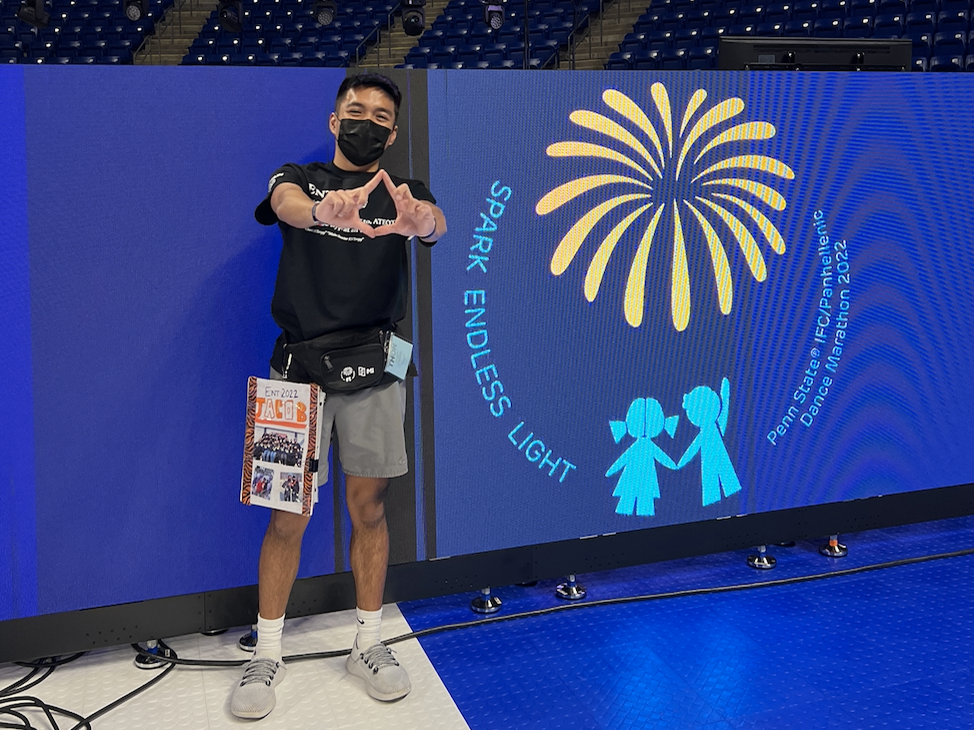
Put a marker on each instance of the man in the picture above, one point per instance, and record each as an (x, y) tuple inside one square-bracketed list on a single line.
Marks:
[(345, 226)]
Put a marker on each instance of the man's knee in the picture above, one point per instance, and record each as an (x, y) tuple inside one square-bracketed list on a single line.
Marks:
[(287, 526), (366, 500)]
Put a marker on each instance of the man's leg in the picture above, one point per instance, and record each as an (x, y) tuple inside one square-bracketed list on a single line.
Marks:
[(384, 678), (369, 549), (280, 555)]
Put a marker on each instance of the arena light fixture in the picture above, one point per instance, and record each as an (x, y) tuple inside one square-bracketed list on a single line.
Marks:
[(325, 11), (34, 13), (493, 14), (413, 16), (231, 15), (135, 10)]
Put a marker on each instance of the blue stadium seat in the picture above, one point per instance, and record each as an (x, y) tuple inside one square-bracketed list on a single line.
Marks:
[(920, 63), (888, 26), (741, 30), (946, 63), (698, 19), (919, 23), (969, 63), (923, 6), (950, 44), (670, 21), (778, 13), (632, 42), (724, 15), (948, 5), (833, 9), (658, 39), (619, 61), (673, 59), (863, 7), (711, 35), (469, 54), (560, 32), (896, 7), (686, 38), (827, 28), (859, 27), (798, 28), (646, 60), (805, 10), (494, 52), (419, 54), (923, 44), (951, 21), (750, 15), (769, 29), (702, 57), (69, 49)]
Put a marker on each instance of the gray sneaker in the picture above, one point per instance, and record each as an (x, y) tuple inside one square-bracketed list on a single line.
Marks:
[(384, 678), (254, 697)]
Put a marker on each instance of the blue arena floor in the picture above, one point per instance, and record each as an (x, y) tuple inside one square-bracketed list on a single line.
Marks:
[(880, 649)]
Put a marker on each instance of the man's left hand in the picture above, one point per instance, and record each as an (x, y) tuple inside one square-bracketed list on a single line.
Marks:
[(413, 217)]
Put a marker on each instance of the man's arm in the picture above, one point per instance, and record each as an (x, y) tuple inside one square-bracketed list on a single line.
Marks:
[(339, 208), (292, 205), (413, 217), (440, 230)]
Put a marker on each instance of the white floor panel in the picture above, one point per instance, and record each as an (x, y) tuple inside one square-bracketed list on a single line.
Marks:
[(317, 693)]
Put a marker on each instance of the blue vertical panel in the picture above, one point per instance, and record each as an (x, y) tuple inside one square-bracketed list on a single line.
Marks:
[(151, 290), (680, 297), (18, 562)]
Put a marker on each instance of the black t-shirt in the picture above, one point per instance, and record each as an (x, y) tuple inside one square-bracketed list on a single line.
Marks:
[(330, 279)]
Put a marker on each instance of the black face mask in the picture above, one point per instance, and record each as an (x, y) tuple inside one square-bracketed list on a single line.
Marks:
[(362, 141)]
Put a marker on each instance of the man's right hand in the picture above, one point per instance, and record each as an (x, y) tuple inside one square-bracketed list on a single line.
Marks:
[(339, 208)]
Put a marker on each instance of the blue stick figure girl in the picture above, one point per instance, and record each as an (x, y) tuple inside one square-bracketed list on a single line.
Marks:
[(708, 412), (638, 487)]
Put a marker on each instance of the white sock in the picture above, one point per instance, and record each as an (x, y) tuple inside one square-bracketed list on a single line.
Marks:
[(369, 628), (269, 638)]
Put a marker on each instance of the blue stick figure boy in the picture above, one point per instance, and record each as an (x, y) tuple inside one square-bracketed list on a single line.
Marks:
[(638, 487), (708, 412)]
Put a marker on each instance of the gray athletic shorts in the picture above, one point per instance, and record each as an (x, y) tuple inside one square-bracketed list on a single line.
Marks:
[(369, 426)]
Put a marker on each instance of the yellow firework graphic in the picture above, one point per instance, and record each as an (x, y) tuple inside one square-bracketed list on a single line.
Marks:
[(661, 165)]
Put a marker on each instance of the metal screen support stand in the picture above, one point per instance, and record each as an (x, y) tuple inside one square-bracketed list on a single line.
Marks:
[(833, 548), (248, 642), (762, 561), (155, 648), (485, 603), (571, 591)]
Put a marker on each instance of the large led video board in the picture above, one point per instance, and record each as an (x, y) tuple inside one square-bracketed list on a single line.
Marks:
[(663, 298), (672, 297)]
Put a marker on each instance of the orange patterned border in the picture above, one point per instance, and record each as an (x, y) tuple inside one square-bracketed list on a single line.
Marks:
[(248, 460)]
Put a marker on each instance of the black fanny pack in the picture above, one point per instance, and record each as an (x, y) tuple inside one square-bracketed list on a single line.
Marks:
[(346, 361)]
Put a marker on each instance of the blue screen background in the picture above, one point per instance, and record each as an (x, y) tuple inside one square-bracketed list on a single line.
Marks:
[(148, 306), (884, 158), (136, 287)]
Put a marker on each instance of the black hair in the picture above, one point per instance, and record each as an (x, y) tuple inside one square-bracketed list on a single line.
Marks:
[(370, 81)]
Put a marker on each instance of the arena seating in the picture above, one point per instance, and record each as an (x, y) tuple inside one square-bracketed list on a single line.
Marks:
[(671, 34), (459, 38), (284, 33), (80, 31), (675, 34)]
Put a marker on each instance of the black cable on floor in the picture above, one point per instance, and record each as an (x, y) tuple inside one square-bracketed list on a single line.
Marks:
[(86, 721), (24, 683), (13, 704), (52, 661)]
